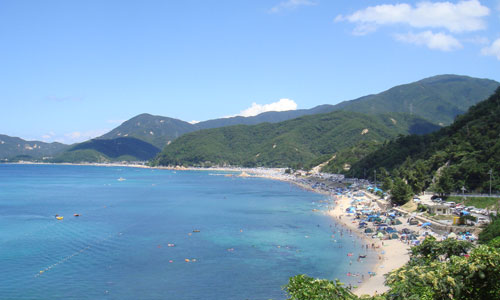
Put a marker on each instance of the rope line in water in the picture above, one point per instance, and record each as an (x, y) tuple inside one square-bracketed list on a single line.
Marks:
[(67, 258)]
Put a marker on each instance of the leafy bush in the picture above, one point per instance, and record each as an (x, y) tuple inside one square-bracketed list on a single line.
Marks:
[(491, 231)]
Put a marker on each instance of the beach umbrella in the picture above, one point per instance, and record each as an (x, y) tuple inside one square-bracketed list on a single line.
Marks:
[(368, 230)]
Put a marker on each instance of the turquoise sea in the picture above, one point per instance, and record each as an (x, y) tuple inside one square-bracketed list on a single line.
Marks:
[(253, 235)]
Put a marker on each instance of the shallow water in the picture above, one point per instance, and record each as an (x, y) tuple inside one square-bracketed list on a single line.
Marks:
[(254, 234)]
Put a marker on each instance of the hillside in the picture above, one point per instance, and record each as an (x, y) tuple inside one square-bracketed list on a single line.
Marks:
[(292, 143), (119, 149), (12, 147), (438, 99), (465, 151), (155, 130)]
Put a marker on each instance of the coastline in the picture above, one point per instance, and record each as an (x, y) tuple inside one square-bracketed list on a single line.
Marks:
[(392, 254), (383, 249)]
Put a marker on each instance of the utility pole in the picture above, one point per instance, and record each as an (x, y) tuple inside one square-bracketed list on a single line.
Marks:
[(463, 191), (375, 171)]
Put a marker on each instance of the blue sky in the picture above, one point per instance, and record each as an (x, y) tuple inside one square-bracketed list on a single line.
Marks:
[(71, 70)]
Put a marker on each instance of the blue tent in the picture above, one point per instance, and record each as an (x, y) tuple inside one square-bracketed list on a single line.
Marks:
[(426, 224), (465, 213)]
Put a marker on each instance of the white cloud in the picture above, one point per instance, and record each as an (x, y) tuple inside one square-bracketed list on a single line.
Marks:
[(291, 4), (464, 16), (493, 50), (255, 109), (435, 41)]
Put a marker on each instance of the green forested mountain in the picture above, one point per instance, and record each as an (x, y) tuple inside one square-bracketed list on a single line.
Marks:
[(464, 152), (155, 130), (12, 147), (292, 143), (438, 99), (100, 150)]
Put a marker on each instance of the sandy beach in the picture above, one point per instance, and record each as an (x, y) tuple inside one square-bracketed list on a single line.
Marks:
[(392, 254)]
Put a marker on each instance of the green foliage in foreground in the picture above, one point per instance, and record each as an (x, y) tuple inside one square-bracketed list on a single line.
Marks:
[(293, 143), (463, 152), (437, 270)]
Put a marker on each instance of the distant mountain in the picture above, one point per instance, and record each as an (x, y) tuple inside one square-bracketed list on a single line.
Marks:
[(270, 116), (100, 150), (18, 149), (292, 143), (463, 152), (155, 130)]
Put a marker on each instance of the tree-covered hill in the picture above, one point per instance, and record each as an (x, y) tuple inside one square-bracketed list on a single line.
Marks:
[(438, 99), (292, 143), (464, 152), (156, 130), (11, 147), (120, 149)]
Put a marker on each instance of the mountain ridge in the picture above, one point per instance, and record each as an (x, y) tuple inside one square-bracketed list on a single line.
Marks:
[(287, 143), (12, 147)]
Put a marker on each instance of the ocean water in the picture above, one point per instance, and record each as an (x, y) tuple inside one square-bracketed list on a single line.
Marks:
[(253, 235)]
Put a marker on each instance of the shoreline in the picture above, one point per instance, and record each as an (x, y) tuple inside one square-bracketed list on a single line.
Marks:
[(383, 249)]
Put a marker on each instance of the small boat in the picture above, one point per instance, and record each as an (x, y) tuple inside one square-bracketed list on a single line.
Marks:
[(76, 215), (196, 230), (362, 256), (171, 245), (59, 217), (121, 179)]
